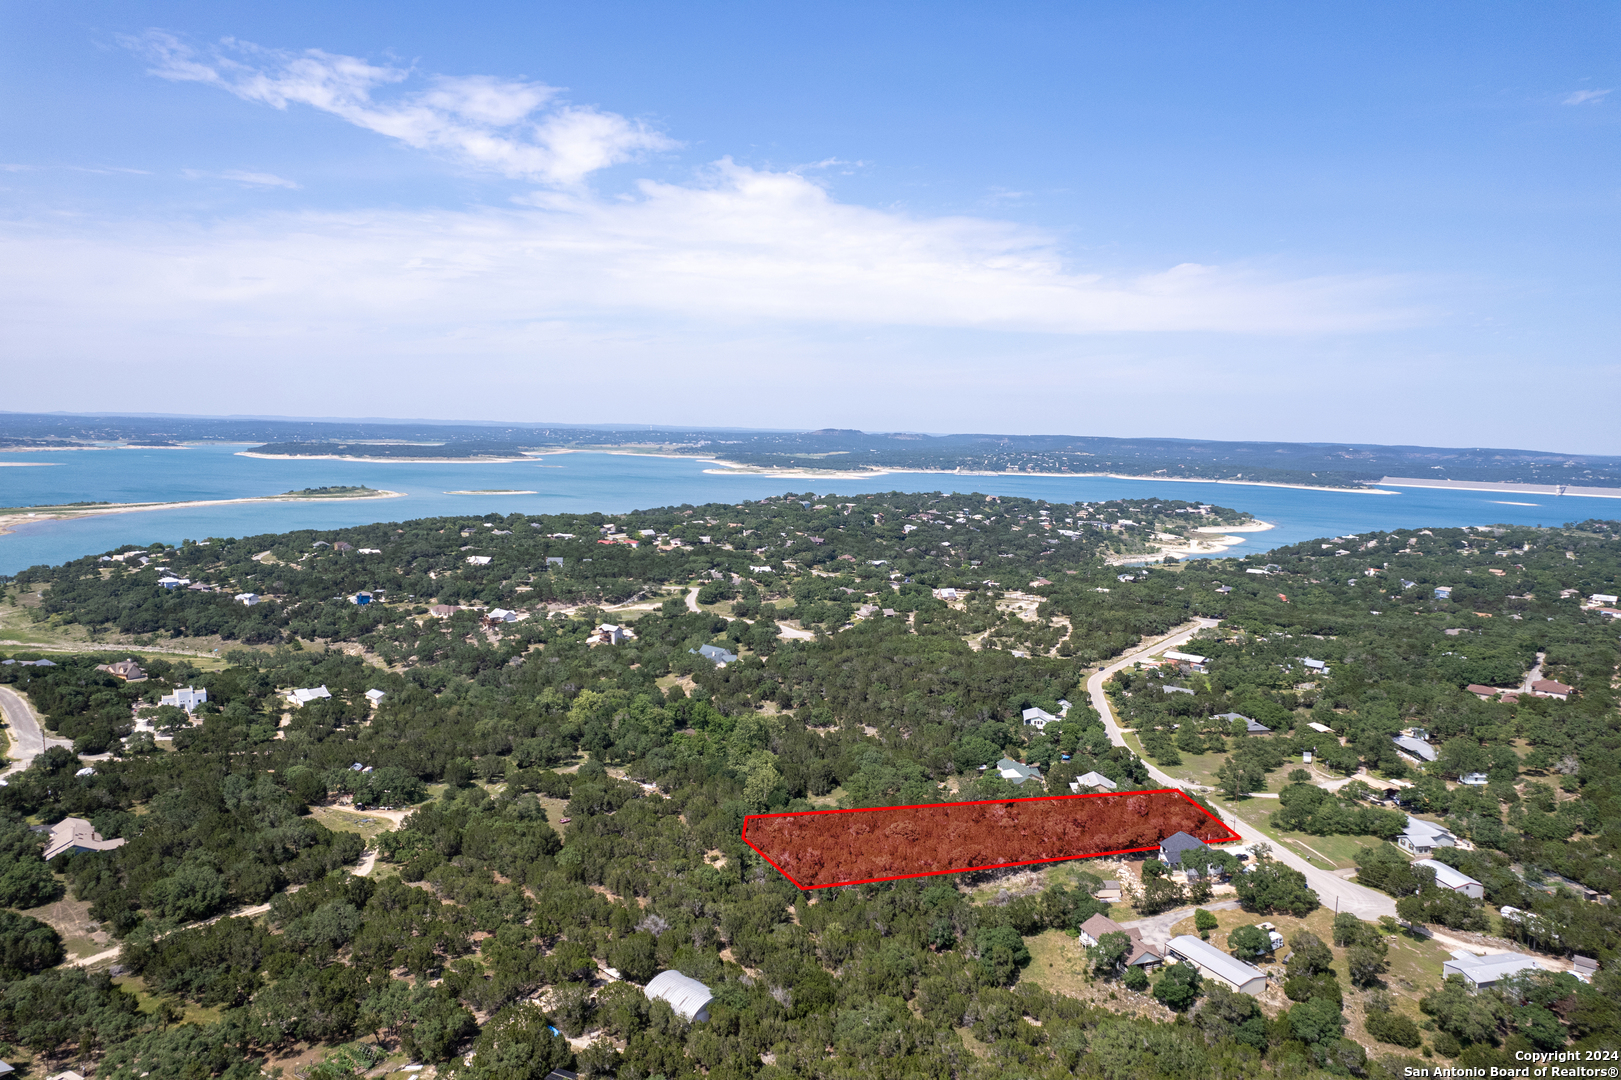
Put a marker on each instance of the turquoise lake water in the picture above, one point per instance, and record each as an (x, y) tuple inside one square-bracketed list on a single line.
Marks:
[(614, 483)]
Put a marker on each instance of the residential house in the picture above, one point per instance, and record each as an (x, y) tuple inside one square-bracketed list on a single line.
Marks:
[(1314, 665), (1449, 878), (609, 634), (442, 611), (479, 560), (360, 598), (1039, 718), (1185, 852), (1422, 837), (128, 670), (688, 997), (1474, 779), (498, 616), (1481, 972), (1484, 693), (1109, 892), (1142, 954), (375, 696), (1583, 967), (1551, 689), (720, 657), (246, 599), (185, 697), (1251, 727), (74, 834), (1323, 729), (1091, 780), (1443, 592), (1015, 772), (300, 698), (1175, 689), (1215, 964), (1224, 589)]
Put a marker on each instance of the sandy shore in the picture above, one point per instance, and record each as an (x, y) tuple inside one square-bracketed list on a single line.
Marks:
[(503, 492), (1215, 540), (867, 474), (22, 516), (386, 460)]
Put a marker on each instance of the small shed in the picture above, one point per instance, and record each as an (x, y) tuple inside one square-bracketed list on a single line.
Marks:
[(688, 997)]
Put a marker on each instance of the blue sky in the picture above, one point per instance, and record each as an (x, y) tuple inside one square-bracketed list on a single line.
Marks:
[(1327, 222)]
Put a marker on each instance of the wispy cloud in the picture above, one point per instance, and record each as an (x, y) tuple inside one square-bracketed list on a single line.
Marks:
[(738, 247), (519, 129), (1587, 97), (251, 179)]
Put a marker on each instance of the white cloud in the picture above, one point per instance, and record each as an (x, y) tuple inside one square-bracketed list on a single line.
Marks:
[(1586, 97), (479, 120), (739, 247), (252, 179)]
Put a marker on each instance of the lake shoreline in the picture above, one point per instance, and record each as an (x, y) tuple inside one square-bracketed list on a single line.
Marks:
[(22, 515)]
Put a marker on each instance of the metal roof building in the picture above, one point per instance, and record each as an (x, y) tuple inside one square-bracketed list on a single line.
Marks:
[(688, 997), (1215, 964), (1456, 880), (1483, 971)]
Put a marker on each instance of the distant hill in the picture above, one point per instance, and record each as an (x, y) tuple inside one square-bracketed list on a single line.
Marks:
[(1325, 464)]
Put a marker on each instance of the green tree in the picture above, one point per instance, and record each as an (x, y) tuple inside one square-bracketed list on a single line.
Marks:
[(1178, 988), (1204, 922), (1249, 942)]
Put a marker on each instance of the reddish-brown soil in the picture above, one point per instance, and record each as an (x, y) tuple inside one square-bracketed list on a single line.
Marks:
[(846, 847)]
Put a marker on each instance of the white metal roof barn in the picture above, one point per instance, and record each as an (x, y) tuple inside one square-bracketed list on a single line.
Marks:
[(688, 997)]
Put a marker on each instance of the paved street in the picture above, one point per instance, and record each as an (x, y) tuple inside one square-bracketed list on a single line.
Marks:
[(1336, 893), (28, 740)]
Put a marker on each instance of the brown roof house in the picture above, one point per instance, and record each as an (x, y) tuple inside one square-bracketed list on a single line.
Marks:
[(1550, 688), (128, 670), (1141, 955), (76, 834)]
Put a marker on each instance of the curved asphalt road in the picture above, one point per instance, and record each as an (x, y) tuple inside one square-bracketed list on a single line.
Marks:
[(28, 741), (1335, 892)]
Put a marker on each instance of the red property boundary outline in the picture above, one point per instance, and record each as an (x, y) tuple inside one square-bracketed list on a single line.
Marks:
[(1232, 835)]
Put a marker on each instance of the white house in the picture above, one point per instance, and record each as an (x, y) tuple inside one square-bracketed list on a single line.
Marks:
[(1320, 728), (609, 634), (246, 599), (1039, 718), (1186, 658), (688, 997), (375, 696), (1474, 779), (479, 560), (1483, 971), (1091, 780), (184, 697), (1422, 837), (1215, 964), (1456, 880), (302, 697)]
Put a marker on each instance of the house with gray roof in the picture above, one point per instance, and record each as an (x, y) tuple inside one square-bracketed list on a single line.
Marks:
[(1015, 772)]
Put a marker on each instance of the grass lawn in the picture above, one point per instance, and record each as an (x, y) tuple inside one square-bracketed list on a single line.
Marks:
[(1327, 852), (147, 1002), (352, 821), (1058, 965)]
